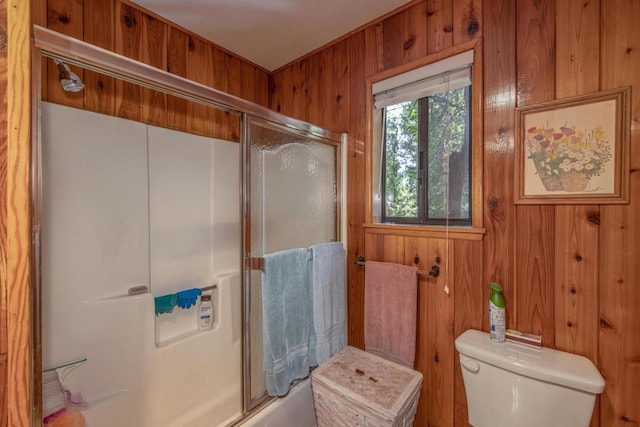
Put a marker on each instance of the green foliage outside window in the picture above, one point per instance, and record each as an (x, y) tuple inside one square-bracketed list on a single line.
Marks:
[(447, 129)]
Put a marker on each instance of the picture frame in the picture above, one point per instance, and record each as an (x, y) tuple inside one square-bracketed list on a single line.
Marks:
[(574, 150)]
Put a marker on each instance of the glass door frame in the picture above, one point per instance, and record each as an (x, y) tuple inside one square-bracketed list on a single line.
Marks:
[(250, 263), (51, 44)]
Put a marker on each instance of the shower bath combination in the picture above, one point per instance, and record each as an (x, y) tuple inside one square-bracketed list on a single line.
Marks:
[(167, 385)]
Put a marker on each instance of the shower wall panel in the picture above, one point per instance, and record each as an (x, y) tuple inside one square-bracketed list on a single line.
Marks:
[(125, 205)]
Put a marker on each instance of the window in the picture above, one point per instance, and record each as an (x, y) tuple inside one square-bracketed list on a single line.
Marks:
[(425, 144)]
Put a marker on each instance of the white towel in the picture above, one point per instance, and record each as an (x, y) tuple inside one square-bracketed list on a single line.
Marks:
[(328, 304), (286, 312)]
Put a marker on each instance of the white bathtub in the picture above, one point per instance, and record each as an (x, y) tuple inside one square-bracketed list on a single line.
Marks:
[(294, 410)]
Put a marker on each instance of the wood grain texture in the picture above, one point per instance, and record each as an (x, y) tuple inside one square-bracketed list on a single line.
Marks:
[(355, 186), (619, 352), (177, 43), (534, 299), (199, 58), (468, 312), (414, 29), (440, 353), (4, 419), (374, 49), (18, 243), (499, 101), (577, 227), (418, 247), (261, 88), (550, 49), (128, 42), (154, 53), (467, 15), (439, 25), (99, 30), (338, 113), (65, 17)]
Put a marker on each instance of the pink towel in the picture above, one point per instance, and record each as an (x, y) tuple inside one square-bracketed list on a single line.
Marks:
[(390, 310)]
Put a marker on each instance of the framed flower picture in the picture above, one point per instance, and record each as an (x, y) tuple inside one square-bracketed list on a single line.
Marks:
[(574, 150)]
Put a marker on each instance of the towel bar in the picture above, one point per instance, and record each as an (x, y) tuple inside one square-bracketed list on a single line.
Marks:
[(435, 270)]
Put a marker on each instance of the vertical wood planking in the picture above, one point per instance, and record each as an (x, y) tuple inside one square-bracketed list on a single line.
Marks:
[(261, 88), (286, 88), (355, 185), (298, 89), (619, 352), (4, 419), (39, 12), (15, 157), (467, 16), (576, 226), (439, 25), (325, 85), (199, 61), (229, 76), (535, 224), (99, 29), (338, 112), (374, 49), (468, 309), (418, 247), (414, 45), (499, 212), (275, 91), (128, 43), (154, 53), (440, 346), (392, 41), (65, 17), (226, 125), (177, 64), (312, 107)]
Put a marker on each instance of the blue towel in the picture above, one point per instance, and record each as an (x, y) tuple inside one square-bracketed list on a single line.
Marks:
[(188, 297), (328, 302), (285, 318)]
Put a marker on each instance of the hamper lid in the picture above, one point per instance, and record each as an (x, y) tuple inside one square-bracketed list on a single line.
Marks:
[(368, 380)]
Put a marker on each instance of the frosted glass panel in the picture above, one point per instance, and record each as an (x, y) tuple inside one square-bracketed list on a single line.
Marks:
[(293, 204)]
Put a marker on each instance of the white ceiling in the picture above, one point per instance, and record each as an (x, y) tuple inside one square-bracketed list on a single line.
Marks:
[(270, 33)]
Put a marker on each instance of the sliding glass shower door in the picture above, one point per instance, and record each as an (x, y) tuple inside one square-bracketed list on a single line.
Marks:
[(290, 200)]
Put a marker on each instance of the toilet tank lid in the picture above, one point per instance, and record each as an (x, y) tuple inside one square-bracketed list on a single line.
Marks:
[(553, 366)]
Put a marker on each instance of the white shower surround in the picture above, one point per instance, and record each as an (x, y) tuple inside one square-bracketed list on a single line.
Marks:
[(94, 252)]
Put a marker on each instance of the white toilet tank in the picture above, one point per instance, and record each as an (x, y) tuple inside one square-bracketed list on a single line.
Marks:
[(511, 385)]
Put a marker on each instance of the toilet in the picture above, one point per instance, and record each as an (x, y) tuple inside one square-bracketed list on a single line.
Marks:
[(512, 385)]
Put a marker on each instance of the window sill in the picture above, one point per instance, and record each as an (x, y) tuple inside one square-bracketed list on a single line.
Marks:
[(460, 233)]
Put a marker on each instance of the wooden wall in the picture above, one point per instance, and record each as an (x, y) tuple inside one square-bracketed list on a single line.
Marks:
[(125, 28), (571, 273)]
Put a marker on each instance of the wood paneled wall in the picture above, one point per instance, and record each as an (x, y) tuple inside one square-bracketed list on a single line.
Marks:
[(570, 273), (125, 28)]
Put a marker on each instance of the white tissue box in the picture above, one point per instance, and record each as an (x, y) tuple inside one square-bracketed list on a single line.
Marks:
[(358, 388)]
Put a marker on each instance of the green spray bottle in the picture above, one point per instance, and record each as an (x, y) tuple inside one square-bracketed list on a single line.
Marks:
[(497, 317)]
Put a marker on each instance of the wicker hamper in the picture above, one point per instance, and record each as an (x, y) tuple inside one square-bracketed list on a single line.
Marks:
[(355, 388)]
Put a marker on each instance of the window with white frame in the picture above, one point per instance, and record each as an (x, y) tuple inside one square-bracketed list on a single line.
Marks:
[(422, 141)]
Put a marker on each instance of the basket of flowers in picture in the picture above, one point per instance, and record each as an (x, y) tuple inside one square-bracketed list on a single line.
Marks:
[(565, 158)]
